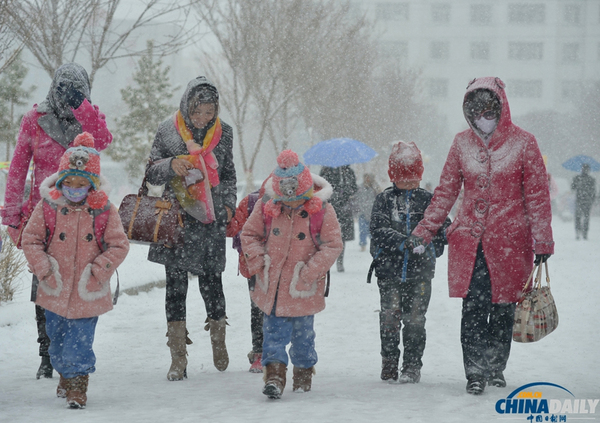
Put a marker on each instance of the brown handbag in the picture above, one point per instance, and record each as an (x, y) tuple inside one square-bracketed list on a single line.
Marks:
[(151, 220)]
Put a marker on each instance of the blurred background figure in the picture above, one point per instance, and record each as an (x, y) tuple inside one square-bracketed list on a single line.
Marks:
[(584, 186), (343, 181), (362, 206)]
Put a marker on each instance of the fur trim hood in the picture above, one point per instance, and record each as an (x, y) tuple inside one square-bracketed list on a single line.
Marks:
[(322, 193)]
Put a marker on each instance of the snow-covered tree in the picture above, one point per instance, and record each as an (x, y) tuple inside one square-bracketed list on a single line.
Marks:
[(148, 102), (12, 94)]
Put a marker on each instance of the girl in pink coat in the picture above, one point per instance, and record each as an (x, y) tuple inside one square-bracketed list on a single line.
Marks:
[(74, 242), (46, 132), (290, 243), (504, 219)]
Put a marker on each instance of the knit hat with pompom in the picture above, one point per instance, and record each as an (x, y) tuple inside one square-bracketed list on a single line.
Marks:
[(406, 163), (292, 181), (82, 160)]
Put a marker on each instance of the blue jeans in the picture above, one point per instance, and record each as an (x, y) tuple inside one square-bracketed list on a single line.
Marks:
[(363, 230), (71, 340), (280, 331)]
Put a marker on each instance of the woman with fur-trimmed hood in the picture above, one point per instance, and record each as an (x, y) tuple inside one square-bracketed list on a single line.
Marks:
[(290, 262)]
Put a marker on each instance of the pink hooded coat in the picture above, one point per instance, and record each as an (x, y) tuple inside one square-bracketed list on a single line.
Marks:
[(290, 265), (79, 283), (47, 155), (506, 204)]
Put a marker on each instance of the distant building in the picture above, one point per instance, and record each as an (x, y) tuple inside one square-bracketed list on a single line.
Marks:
[(546, 51)]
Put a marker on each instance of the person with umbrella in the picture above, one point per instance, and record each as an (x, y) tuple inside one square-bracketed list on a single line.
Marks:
[(343, 181), (584, 186)]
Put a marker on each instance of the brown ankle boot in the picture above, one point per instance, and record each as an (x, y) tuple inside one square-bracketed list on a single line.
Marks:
[(77, 391), (178, 340), (274, 377), (217, 340), (302, 379), (61, 389)]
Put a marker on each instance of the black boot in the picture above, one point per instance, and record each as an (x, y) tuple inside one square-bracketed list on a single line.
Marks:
[(475, 385), (45, 369)]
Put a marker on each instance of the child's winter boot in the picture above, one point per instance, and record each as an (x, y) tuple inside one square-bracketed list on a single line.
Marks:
[(255, 361), (217, 339), (497, 379), (61, 389), (178, 340), (302, 379), (409, 375), (389, 369), (274, 378), (77, 391)]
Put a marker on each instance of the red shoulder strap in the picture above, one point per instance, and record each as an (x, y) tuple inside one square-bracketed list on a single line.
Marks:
[(316, 223), (267, 221), (50, 220)]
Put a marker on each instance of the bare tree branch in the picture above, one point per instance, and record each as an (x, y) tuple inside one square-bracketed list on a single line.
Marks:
[(58, 31)]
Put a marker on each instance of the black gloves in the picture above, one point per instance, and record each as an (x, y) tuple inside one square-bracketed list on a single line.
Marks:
[(74, 97), (541, 258), (70, 95)]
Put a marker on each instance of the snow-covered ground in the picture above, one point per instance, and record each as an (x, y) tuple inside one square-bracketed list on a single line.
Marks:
[(130, 383)]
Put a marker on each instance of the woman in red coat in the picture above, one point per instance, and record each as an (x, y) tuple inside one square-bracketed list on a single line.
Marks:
[(504, 219)]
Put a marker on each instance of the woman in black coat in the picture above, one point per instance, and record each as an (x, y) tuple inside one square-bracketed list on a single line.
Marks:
[(194, 148), (343, 181)]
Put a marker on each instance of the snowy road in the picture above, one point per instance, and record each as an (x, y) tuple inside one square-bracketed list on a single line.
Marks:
[(130, 384)]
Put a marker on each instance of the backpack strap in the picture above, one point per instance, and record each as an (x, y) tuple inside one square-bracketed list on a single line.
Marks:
[(100, 223)]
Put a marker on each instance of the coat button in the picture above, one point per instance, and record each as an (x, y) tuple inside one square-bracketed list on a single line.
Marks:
[(301, 236), (62, 236), (481, 206), (483, 181), (64, 210), (304, 214), (276, 232), (89, 237), (108, 265), (482, 156), (477, 229)]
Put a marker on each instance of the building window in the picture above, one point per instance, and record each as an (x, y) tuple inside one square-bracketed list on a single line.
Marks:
[(526, 13), (440, 12), (438, 88), (480, 50), (572, 14), (525, 88), (395, 50), (439, 50), (571, 90), (481, 14), (525, 51), (392, 11), (570, 52)]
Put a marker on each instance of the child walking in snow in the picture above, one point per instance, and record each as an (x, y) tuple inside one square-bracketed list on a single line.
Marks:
[(73, 242), (290, 242), (404, 278)]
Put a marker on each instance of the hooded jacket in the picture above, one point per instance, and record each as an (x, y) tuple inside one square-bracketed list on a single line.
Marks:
[(506, 204), (204, 244), (290, 269), (78, 285), (45, 134)]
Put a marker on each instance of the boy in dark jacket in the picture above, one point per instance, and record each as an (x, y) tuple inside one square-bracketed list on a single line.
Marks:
[(403, 276)]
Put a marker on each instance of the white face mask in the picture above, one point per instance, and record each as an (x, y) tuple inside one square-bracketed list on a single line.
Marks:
[(485, 125)]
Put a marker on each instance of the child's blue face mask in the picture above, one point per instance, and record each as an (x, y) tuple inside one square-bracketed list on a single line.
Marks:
[(75, 195)]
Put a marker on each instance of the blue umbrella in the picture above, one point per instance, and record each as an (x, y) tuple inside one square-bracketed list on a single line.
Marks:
[(575, 163), (338, 152)]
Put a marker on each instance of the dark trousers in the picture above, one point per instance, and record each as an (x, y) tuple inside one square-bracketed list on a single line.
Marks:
[(582, 219), (256, 321), (486, 328), (40, 319), (211, 289), (403, 302)]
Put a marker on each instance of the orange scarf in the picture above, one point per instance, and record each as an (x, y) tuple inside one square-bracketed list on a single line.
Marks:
[(196, 199)]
